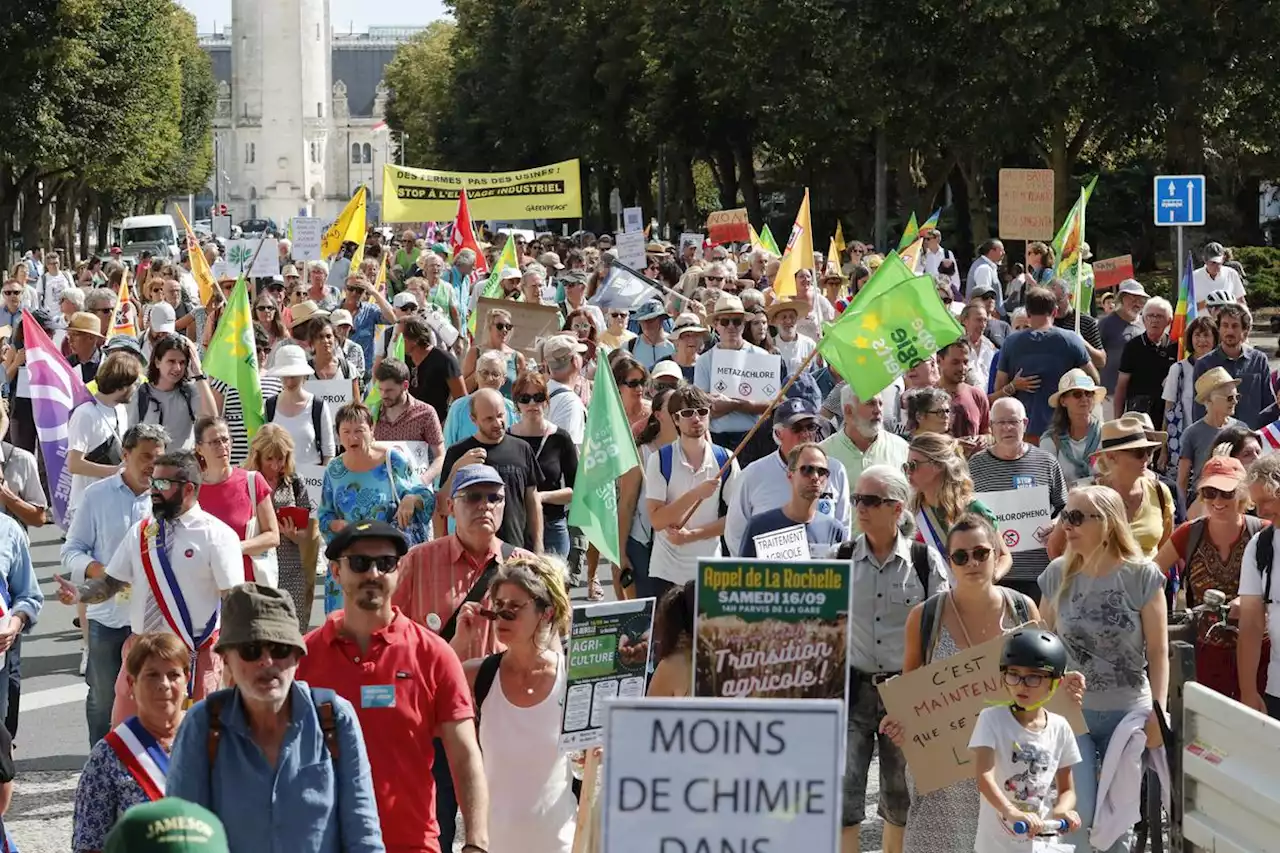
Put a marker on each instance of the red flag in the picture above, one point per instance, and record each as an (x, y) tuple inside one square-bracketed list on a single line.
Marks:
[(463, 237)]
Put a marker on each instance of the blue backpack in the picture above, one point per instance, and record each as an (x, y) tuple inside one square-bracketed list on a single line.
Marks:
[(666, 459)]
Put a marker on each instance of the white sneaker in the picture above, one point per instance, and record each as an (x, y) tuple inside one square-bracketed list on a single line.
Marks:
[(84, 659)]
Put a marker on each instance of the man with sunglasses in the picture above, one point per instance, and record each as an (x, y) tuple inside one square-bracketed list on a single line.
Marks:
[(366, 315), (808, 471), (732, 416), (179, 561), (766, 484), (1011, 463), (889, 575), (404, 681), (282, 764)]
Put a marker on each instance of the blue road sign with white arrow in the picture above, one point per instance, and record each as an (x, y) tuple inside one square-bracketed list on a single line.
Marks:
[(1179, 200)]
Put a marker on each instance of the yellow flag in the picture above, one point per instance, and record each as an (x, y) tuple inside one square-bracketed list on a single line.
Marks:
[(799, 252), (350, 225), (120, 325), (833, 255), (839, 238), (911, 255), (381, 284), (199, 264), (755, 238), (357, 258)]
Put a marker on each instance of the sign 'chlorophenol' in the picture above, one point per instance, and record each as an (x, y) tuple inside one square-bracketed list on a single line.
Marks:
[(714, 775)]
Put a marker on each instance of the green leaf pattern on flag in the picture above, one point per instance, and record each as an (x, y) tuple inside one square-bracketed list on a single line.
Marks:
[(878, 339), (608, 452), (232, 356)]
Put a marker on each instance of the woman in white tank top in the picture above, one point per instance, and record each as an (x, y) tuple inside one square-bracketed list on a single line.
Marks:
[(531, 803)]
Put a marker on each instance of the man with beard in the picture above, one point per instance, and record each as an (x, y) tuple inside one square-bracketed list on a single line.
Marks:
[(808, 470), (512, 458), (179, 563), (864, 441), (1243, 362), (282, 765), (111, 507), (443, 582), (405, 683), (94, 430), (970, 411), (766, 484), (403, 417)]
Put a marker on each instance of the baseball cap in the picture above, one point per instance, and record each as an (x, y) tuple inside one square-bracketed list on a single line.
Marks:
[(509, 272), (550, 260), (560, 347), (1214, 253), (794, 409), (981, 290), (470, 475), (1224, 473), (163, 318), (168, 825), (667, 370), (1133, 288), (341, 317), (404, 300), (369, 530)]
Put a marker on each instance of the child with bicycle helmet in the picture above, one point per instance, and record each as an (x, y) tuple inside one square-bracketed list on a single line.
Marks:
[(1021, 750)]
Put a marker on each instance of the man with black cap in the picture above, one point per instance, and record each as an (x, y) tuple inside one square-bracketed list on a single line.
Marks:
[(407, 685), (766, 485), (282, 764)]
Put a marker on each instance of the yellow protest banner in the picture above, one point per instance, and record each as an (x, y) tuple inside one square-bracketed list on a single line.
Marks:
[(543, 192)]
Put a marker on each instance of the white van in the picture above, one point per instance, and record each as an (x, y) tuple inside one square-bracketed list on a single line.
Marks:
[(156, 234)]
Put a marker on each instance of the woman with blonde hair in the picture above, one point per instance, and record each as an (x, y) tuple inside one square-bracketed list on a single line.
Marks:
[(497, 331), (1106, 601), (942, 491), (271, 454), (519, 696)]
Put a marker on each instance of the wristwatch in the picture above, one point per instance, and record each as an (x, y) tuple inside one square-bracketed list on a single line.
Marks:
[(199, 377)]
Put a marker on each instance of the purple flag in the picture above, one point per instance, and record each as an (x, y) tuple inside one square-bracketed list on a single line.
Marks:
[(56, 390)]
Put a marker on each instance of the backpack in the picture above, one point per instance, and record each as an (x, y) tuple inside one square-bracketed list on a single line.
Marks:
[(317, 413), (1252, 526), (558, 392), (145, 400), (321, 697), (919, 560), (931, 617), (1264, 553), (666, 460)]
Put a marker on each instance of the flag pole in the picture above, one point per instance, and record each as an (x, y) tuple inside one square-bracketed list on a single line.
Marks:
[(764, 416)]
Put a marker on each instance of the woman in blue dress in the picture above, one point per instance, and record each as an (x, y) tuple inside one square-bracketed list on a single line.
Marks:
[(369, 481)]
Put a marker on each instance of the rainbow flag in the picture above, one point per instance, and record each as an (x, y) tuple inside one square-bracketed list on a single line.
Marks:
[(1185, 312), (932, 221)]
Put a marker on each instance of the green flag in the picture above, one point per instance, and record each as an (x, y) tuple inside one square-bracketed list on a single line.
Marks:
[(910, 233), (607, 453), (493, 287), (891, 272), (233, 357), (766, 239), (373, 397), (1066, 250), (888, 335)]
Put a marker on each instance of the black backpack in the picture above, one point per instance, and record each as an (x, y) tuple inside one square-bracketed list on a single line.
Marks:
[(1252, 527), (145, 399), (931, 617), (1264, 553), (317, 412), (919, 560)]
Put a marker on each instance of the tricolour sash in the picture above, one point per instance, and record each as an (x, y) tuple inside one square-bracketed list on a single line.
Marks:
[(142, 755), (932, 533), (168, 595)]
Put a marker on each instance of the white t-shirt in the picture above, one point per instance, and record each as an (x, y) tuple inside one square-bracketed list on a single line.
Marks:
[(302, 429), (678, 564), (1026, 764), (1228, 279), (50, 287), (1252, 583), (566, 411), (92, 425), (794, 352)]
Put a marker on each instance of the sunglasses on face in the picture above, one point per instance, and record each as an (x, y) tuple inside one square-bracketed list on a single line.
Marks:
[(526, 399), (474, 498), (1140, 452), (689, 414), (618, 315), (164, 484), (633, 383), (1031, 679), (814, 471), (269, 309), (251, 652), (735, 322), (912, 465), (507, 611), (13, 293), (1209, 493), (714, 278), (804, 428), (361, 563), (960, 556), (871, 501), (503, 327), (1077, 517), (1076, 395)]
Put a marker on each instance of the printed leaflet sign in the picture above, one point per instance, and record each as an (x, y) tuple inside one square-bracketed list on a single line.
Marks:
[(1024, 516), (745, 375), (608, 658), (771, 629)]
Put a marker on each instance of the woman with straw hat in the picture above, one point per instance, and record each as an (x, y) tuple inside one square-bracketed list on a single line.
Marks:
[(1074, 434), (1217, 391)]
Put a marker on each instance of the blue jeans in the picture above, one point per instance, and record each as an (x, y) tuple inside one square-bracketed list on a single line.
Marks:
[(555, 536), (105, 648), (1084, 776), (638, 556)]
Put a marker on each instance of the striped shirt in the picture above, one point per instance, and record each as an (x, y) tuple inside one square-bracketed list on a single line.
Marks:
[(1033, 468), (233, 414)]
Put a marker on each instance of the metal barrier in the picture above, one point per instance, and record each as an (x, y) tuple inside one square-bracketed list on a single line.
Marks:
[(1229, 776)]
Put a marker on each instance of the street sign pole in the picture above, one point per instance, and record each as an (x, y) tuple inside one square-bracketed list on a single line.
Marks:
[(1182, 260), (1179, 202)]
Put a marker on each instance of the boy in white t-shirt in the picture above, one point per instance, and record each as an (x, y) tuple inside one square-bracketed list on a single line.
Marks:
[(1021, 750)]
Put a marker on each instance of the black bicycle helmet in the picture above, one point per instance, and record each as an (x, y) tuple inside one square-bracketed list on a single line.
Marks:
[(1036, 649)]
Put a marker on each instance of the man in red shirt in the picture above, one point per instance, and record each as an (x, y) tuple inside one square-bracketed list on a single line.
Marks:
[(403, 417), (408, 689)]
